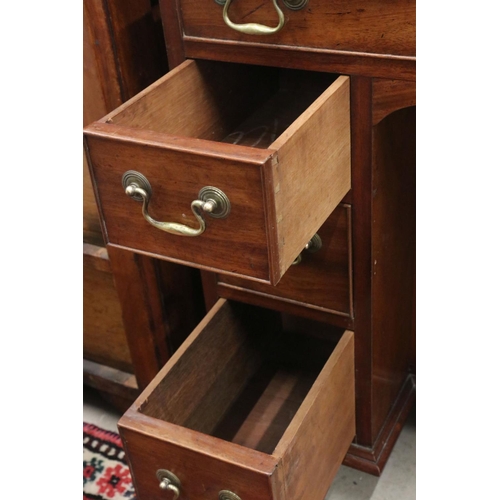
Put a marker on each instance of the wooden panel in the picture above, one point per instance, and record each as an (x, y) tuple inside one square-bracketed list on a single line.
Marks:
[(394, 249), (227, 352), (172, 32), (292, 93), (265, 407), (323, 427), (138, 44), (372, 459), (182, 298), (383, 221), (101, 87), (96, 257), (110, 380), (101, 92), (104, 339), (122, 54), (391, 95), (333, 61), (362, 189), (137, 285), (322, 281), (91, 224), (283, 305), (374, 27), (318, 143), (159, 304)]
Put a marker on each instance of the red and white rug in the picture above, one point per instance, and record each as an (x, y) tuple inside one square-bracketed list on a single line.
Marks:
[(106, 475)]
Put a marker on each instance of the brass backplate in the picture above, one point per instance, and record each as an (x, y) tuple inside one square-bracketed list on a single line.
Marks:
[(222, 207), (289, 4), (133, 177), (228, 495), (295, 4)]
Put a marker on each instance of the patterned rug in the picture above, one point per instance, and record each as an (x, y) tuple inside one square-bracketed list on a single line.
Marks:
[(106, 475)]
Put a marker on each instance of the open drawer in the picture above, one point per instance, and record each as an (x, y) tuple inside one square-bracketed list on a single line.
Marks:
[(248, 408), (233, 167)]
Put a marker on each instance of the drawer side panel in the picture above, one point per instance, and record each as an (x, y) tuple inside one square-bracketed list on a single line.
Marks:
[(313, 170), (318, 438)]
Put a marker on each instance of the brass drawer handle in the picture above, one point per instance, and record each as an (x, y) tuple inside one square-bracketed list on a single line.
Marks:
[(228, 495), (211, 200), (169, 482), (312, 246), (254, 28)]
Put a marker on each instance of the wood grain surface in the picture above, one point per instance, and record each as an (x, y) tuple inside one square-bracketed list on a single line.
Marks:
[(137, 285), (318, 437), (198, 99), (374, 27), (98, 98), (393, 248), (110, 380), (318, 142), (298, 57), (391, 95), (122, 54), (104, 339), (138, 44), (383, 234), (362, 189), (203, 383)]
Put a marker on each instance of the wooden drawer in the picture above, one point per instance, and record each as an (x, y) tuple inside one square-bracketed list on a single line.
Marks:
[(239, 407), (322, 281), (289, 168), (363, 27)]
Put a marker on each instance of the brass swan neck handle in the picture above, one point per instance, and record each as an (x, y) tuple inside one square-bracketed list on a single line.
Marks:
[(211, 201), (254, 28), (169, 482)]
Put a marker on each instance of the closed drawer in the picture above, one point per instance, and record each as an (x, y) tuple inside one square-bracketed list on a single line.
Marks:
[(275, 142), (240, 408), (363, 27), (321, 281)]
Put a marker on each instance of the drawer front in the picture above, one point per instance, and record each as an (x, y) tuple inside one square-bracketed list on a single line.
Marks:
[(279, 151), (322, 280), (201, 476), (364, 26), (237, 244), (240, 408)]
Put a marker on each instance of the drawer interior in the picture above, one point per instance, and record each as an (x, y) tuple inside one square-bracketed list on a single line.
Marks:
[(244, 379), (224, 102)]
